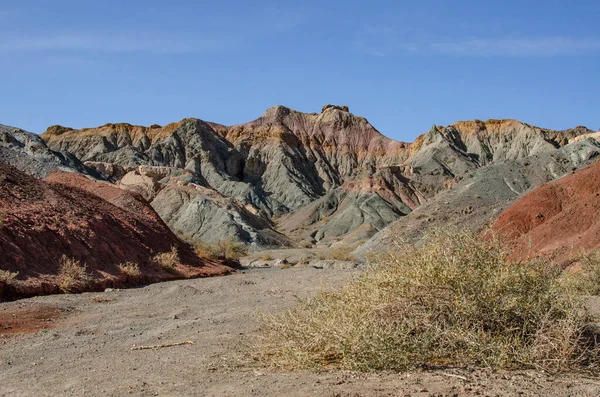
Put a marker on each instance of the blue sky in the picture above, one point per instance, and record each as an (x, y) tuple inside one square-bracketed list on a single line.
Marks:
[(404, 65)]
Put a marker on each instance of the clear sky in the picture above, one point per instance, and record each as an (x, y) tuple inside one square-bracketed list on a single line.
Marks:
[(404, 65)]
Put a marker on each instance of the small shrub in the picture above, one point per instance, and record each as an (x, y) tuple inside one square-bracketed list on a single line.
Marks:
[(266, 257), (456, 300), (585, 278), (70, 273), (228, 249), (204, 250), (130, 269), (341, 254), (287, 266), (231, 249), (7, 277), (168, 260)]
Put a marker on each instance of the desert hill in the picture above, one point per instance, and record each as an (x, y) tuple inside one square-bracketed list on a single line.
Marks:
[(292, 178), (70, 213), (558, 219)]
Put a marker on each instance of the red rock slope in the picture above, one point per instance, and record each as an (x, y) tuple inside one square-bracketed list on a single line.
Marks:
[(558, 219), (91, 221)]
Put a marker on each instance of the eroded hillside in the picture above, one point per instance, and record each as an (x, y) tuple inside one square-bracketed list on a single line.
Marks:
[(291, 178)]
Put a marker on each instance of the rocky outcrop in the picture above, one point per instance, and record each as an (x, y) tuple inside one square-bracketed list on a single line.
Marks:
[(87, 220), (315, 178), (557, 220), (473, 201), (28, 152)]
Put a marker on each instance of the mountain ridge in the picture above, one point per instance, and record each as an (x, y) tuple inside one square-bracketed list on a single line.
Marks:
[(334, 167)]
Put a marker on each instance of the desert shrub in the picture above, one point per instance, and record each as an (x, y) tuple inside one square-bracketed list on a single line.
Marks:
[(168, 260), (455, 300), (228, 249), (266, 257), (130, 269), (584, 279), (338, 254), (205, 250), (231, 249), (70, 273), (341, 254), (7, 276)]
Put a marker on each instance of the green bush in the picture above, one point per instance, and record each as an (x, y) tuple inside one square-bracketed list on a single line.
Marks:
[(456, 300)]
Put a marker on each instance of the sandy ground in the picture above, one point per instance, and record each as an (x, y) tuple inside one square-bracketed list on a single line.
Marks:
[(86, 349)]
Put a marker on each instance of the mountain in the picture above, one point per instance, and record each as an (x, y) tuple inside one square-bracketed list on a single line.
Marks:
[(87, 220), (558, 219), (291, 178), (28, 152)]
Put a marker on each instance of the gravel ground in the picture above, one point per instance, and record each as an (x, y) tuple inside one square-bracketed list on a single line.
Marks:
[(86, 351)]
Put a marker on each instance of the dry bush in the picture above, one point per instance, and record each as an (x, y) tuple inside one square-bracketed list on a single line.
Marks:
[(338, 254), (168, 260), (228, 249), (7, 276), (584, 279), (205, 250), (266, 257), (231, 249), (130, 269), (341, 254), (453, 301), (70, 273)]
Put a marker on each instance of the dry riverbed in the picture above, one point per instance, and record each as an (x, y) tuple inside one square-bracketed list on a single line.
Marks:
[(81, 345)]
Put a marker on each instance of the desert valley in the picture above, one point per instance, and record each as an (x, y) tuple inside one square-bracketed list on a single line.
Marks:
[(95, 223)]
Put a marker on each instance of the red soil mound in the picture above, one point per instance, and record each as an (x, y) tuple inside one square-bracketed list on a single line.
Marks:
[(557, 220), (90, 221)]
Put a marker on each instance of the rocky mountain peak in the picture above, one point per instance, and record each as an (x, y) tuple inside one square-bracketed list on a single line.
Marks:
[(335, 107), (57, 130)]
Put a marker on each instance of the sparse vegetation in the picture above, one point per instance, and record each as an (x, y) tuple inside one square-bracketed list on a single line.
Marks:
[(168, 260), (584, 279), (341, 254), (456, 300), (7, 276), (338, 254), (70, 273), (228, 249), (266, 257), (130, 269)]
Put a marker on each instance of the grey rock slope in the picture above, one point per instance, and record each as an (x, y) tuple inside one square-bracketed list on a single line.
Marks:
[(297, 178), (480, 197), (27, 152)]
